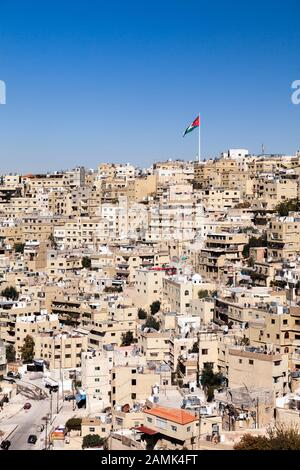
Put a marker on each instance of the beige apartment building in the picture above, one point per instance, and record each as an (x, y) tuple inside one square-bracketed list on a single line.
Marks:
[(60, 350), (220, 199), (148, 286), (133, 384), (109, 331), (272, 164), (283, 238), (139, 189), (258, 369), (96, 369), (154, 345), (220, 249), (12, 312), (33, 325), (273, 191), (178, 293), (279, 332), (95, 426), (204, 309), (177, 426)]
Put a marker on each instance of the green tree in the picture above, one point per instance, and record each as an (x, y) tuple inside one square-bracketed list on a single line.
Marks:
[(92, 440), (27, 350), (243, 205), (142, 314), (203, 293), (251, 262), (155, 307), (52, 241), (10, 293), (10, 353), (74, 424), (249, 442), (86, 262), (195, 348), (244, 341), (151, 323), (210, 381), (112, 289), (292, 205), (128, 338), (19, 247), (280, 437), (254, 242)]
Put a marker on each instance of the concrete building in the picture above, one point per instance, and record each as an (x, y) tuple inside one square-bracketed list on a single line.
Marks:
[(254, 368)]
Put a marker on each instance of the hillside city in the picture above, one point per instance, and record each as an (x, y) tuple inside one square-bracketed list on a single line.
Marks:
[(154, 308)]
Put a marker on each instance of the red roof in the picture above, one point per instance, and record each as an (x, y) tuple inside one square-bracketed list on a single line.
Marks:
[(146, 430), (172, 414)]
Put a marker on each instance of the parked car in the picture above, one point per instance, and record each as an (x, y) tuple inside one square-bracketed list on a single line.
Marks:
[(32, 439), (27, 406), (69, 397), (5, 445)]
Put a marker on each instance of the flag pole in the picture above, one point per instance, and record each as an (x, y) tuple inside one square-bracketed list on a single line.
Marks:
[(199, 143)]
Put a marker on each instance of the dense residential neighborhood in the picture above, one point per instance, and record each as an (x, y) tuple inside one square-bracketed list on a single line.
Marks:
[(150, 308)]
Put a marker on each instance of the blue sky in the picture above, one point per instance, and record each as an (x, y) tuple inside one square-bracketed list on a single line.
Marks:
[(120, 81)]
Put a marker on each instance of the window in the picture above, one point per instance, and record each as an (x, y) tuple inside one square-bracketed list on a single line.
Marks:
[(92, 429), (97, 368), (188, 428), (161, 423), (133, 396), (240, 361), (204, 352), (251, 362), (133, 382), (149, 419), (174, 428)]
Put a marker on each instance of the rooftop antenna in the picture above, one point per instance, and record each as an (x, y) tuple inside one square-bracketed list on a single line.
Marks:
[(263, 149)]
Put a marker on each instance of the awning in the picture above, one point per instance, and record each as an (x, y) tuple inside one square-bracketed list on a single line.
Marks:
[(146, 430)]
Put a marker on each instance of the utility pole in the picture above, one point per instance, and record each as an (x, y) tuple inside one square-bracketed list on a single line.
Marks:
[(73, 387), (46, 437), (199, 425), (60, 372), (50, 405), (57, 395)]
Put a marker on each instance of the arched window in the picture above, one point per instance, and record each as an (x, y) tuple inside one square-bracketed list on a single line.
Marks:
[(186, 292)]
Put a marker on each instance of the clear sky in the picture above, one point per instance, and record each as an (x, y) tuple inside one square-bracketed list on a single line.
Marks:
[(91, 81)]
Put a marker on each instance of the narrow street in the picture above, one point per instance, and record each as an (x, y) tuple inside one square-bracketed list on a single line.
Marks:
[(20, 423), (28, 422)]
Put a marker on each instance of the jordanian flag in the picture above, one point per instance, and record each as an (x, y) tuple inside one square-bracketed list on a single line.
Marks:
[(195, 123)]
